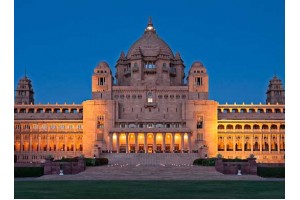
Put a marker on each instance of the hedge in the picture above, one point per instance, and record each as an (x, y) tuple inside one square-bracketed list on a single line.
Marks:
[(96, 161), (234, 160), (272, 172), (205, 161), (29, 171)]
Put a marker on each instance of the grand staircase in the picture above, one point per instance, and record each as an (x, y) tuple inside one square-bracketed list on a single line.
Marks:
[(150, 159)]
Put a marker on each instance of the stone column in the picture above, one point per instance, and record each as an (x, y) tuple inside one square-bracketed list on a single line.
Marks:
[(47, 143), (278, 143), (260, 145), (182, 142), (243, 143), (56, 139), (110, 142), (190, 143), (173, 142), (21, 142), (126, 142), (65, 143), (30, 143), (234, 143), (225, 143), (145, 142), (164, 142), (269, 142), (74, 144), (154, 142), (118, 148), (251, 143), (39, 143), (136, 135)]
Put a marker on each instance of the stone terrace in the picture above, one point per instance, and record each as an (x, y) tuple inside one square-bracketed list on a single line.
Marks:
[(151, 159)]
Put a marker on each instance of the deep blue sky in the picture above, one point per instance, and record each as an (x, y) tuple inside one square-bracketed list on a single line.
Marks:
[(59, 42)]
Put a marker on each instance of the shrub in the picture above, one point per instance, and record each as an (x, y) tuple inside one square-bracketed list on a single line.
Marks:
[(272, 172), (96, 161), (29, 171), (234, 160), (101, 161), (205, 161), (75, 159)]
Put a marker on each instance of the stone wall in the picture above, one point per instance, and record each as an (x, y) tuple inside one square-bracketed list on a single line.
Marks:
[(249, 167), (67, 167)]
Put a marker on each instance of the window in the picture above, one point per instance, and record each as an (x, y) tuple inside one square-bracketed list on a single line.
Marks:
[(149, 98), (199, 136), (101, 81), (200, 122), (100, 121), (150, 65), (79, 126), (99, 137), (198, 80)]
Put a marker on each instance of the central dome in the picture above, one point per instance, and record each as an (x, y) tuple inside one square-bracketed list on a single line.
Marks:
[(150, 44)]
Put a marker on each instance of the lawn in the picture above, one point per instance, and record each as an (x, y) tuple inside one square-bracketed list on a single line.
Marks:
[(149, 189)]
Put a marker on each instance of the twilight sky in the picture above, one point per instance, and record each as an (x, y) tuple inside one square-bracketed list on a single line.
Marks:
[(59, 42)]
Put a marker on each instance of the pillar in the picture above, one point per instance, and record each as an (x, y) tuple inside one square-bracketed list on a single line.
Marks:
[(154, 142), (234, 143), (182, 142), (126, 142), (243, 144), (145, 142), (110, 142), (56, 139), (260, 144), (21, 142), (269, 142), (74, 144), (47, 143), (173, 141), (225, 143), (164, 142), (30, 142), (278, 143), (189, 141), (251, 143), (117, 143), (65, 143), (39, 143), (136, 142)]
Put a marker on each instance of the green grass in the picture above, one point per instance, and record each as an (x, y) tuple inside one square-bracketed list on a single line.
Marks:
[(149, 189)]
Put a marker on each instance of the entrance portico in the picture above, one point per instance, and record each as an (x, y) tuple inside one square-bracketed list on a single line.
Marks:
[(150, 142)]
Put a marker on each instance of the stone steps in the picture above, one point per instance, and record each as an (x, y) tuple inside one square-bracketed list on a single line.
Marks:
[(151, 159)]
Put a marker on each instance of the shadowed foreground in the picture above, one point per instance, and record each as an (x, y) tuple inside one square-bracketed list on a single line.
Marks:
[(149, 189)]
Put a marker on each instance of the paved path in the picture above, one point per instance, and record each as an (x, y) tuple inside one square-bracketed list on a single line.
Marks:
[(148, 172)]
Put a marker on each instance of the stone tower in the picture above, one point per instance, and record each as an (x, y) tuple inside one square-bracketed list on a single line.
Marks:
[(275, 92), (24, 92), (198, 82)]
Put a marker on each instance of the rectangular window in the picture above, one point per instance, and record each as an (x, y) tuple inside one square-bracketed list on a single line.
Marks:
[(101, 81), (200, 122), (99, 137), (198, 80), (199, 136)]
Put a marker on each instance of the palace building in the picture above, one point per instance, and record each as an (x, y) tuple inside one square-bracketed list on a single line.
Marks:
[(149, 106)]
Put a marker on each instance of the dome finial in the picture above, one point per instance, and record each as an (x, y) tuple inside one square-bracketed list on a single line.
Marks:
[(150, 27)]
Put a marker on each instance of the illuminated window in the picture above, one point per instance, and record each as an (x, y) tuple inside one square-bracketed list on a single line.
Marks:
[(200, 122), (150, 98), (100, 121)]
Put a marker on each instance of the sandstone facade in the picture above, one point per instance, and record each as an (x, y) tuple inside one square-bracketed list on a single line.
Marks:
[(150, 108)]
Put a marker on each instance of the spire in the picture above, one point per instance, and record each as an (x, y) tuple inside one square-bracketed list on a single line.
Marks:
[(150, 27)]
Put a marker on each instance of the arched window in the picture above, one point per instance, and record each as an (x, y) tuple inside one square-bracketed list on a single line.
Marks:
[(256, 127), (221, 127), (273, 127), (149, 98), (247, 127), (238, 126)]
